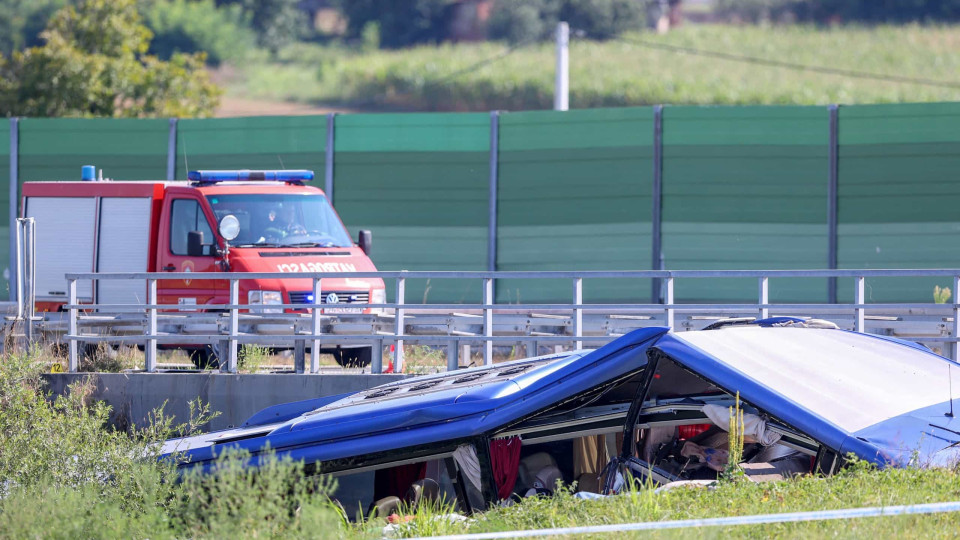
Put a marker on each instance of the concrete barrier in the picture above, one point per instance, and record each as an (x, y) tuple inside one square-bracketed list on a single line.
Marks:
[(133, 396)]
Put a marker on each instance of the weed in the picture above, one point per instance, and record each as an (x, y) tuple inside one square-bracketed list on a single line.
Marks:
[(102, 358), (941, 296), (251, 358), (424, 359), (732, 471)]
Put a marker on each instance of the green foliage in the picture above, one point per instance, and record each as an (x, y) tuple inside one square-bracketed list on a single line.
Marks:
[(59, 460), (401, 23), (103, 358), (615, 74), (94, 63), (602, 19), (189, 26), (941, 295), (523, 20), (276, 22), (873, 11), (252, 357), (732, 471), (517, 21), (756, 11), (21, 22), (277, 500)]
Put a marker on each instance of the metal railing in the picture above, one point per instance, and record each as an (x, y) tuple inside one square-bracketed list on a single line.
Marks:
[(238, 323)]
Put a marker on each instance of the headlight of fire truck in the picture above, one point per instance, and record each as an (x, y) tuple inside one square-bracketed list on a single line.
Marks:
[(265, 297), (378, 296)]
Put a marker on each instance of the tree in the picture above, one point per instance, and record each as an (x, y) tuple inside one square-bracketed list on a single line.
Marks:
[(21, 22), (94, 63), (401, 23), (522, 20), (276, 22)]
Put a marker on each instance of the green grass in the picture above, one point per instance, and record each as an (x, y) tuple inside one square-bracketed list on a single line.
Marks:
[(859, 487), (65, 474), (619, 74)]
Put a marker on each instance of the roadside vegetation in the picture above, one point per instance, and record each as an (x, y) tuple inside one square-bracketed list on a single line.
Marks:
[(64, 473), (620, 72), (140, 58)]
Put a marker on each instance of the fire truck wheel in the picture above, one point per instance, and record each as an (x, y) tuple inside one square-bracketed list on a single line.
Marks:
[(354, 357)]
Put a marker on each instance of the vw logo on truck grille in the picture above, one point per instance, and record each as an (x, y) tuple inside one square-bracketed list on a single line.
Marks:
[(332, 297)]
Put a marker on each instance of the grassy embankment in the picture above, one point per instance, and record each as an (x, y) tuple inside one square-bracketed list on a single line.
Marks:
[(617, 73), (64, 475)]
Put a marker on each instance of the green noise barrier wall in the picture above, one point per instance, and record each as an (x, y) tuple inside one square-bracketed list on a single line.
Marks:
[(739, 187), (745, 188), (899, 195), (420, 183), (5, 233), (126, 149), (574, 193), (269, 142)]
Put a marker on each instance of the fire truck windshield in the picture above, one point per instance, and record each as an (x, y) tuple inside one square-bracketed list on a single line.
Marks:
[(303, 220)]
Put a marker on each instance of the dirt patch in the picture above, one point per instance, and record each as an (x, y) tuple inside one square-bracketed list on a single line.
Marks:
[(234, 106)]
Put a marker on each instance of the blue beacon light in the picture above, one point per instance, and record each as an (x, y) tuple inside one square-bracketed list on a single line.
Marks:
[(283, 175)]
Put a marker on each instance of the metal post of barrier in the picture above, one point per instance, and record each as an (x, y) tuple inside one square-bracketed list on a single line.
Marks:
[(656, 215), (398, 326), (315, 328), (577, 313), (668, 301), (234, 326), (956, 319), (330, 156), (30, 276), (487, 320), (18, 274), (453, 359), (14, 186), (859, 296), (492, 191), (833, 180), (299, 356), (376, 357), (73, 360), (764, 297), (150, 349), (172, 149)]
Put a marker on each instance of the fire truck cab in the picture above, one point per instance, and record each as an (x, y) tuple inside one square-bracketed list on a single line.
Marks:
[(217, 221)]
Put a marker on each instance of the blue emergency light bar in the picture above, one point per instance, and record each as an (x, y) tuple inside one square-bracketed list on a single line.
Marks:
[(284, 175)]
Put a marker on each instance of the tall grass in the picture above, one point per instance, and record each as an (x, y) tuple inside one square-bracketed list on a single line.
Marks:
[(619, 73), (65, 474)]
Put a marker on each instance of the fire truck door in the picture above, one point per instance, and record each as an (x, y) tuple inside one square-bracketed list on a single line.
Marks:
[(184, 215)]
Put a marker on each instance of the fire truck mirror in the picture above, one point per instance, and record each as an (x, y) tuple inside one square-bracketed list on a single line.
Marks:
[(229, 227), (195, 243), (365, 241)]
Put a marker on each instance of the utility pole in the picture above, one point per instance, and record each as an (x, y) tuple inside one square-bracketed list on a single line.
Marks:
[(561, 94)]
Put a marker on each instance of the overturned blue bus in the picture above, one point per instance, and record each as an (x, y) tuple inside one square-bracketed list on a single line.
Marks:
[(652, 404)]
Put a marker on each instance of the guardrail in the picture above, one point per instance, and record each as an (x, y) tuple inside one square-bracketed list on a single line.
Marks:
[(242, 324)]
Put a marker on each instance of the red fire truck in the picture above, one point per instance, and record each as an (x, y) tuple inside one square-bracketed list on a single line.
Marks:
[(217, 221)]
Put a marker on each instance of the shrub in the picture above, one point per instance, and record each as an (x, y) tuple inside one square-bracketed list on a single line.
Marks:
[(59, 458), (194, 26), (522, 20)]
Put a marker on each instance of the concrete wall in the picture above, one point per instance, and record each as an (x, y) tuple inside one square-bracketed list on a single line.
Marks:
[(133, 396)]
